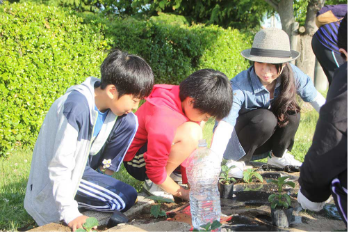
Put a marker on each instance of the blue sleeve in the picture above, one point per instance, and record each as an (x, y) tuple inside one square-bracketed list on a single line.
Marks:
[(304, 85), (238, 100)]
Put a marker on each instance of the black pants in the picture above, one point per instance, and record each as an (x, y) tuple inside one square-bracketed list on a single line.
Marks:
[(328, 60), (258, 133), (339, 193)]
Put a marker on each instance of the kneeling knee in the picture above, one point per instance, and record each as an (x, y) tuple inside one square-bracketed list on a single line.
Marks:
[(131, 198)]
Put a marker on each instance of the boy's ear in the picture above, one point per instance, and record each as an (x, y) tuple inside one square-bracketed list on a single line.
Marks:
[(111, 91), (190, 101)]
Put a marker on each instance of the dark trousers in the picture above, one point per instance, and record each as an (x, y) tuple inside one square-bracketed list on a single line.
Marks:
[(339, 193), (258, 133), (100, 192), (328, 59)]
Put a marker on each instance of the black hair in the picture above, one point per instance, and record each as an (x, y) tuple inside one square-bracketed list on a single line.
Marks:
[(129, 73), (211, 91), (342, 36), (285, 104)]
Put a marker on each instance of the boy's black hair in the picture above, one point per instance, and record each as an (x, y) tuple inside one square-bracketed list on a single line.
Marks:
[(342, 35), (211, 91), (129, 73)]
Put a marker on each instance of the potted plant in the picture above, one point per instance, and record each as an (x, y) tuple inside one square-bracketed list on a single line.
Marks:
[(248, 175), (281, 210), (226, 183)]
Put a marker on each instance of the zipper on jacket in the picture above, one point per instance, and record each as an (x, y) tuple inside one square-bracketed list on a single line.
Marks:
[(90, 145)]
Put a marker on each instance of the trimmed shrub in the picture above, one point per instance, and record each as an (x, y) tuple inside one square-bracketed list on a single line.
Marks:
[(44, 50), (175, 50)]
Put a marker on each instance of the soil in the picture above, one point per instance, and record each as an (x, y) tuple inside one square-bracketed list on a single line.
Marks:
[(145, 216), (248, 210)]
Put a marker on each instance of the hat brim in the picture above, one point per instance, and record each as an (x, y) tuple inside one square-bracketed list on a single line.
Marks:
[(270, 60)]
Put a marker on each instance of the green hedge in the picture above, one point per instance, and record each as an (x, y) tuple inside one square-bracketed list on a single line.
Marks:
[(174, 51), (44, 50)]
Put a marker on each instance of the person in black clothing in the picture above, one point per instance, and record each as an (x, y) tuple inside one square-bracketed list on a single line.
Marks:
[(324, 41), (324, 170)]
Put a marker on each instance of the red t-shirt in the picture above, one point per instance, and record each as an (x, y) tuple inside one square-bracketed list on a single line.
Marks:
[(158, 118)]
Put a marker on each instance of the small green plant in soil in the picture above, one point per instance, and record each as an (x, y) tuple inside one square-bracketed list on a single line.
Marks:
[(209, 226), (248, 175), (156, 210), (281, 200), (90, 223), (224, 178)]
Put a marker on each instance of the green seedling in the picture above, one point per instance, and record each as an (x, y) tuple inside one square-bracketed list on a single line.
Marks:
[(248, 175), (156, 209), (224, 178), (209, 226), (90, 223), (281, 200)]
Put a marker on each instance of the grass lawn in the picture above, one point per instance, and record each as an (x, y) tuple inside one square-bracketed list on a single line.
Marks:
[(14, 173)]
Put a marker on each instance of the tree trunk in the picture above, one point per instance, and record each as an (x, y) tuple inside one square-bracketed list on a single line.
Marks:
[(306, 61), (286, 13)]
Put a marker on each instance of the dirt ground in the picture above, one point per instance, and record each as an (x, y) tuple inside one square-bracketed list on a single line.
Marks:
[(247, 211)]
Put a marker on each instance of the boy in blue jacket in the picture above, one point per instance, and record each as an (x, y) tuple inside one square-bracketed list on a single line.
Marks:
[(85, 135)]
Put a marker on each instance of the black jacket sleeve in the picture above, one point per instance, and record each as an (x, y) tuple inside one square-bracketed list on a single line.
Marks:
[(327, 157)]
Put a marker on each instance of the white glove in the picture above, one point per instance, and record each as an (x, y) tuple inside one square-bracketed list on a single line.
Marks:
[(307, 204)]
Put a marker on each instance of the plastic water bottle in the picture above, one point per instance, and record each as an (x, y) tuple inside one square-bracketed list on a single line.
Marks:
[(203, 172)]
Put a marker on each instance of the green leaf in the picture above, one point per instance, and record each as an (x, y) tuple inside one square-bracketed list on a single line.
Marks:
[(288, 199), (285, 204), (206, 226), (271, 197), (274, 205), (290, 183), (216, 224), (80, 230), (162, 213), (160, 199), (258, 176), (90, 223), (155, 210)]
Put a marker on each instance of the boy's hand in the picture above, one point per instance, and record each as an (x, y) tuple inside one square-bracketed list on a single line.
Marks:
[(186, 194), (77, 222)]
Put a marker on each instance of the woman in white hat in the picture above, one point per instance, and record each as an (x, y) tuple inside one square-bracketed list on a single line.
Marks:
[(265, 115)]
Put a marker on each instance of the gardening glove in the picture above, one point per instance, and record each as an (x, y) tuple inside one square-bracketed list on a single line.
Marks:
[(307, 204)]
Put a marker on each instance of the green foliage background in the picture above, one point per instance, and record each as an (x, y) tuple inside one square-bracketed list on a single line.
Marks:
[(45, 50)]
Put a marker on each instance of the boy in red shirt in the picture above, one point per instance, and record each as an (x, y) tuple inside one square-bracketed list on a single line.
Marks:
[(169, 128)]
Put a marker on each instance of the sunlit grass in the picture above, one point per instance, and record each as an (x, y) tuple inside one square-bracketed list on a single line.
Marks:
[(14, 172)]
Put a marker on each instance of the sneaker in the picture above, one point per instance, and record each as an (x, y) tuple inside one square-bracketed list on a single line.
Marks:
[(239, 167), (176, 176), (154, 190), (285, 160)]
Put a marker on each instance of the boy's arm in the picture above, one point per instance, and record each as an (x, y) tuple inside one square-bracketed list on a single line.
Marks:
[(61, 170), (170, 186)]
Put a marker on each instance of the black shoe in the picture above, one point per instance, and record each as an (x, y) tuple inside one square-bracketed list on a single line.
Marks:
[(117, 218)]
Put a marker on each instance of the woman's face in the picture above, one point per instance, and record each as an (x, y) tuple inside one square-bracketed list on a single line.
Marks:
[(267, 73)]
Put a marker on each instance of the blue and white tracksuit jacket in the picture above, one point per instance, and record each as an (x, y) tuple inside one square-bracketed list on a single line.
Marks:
[(61, 153)]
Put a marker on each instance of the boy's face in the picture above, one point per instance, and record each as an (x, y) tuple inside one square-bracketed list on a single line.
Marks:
[(194, 114), (123, 105)]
